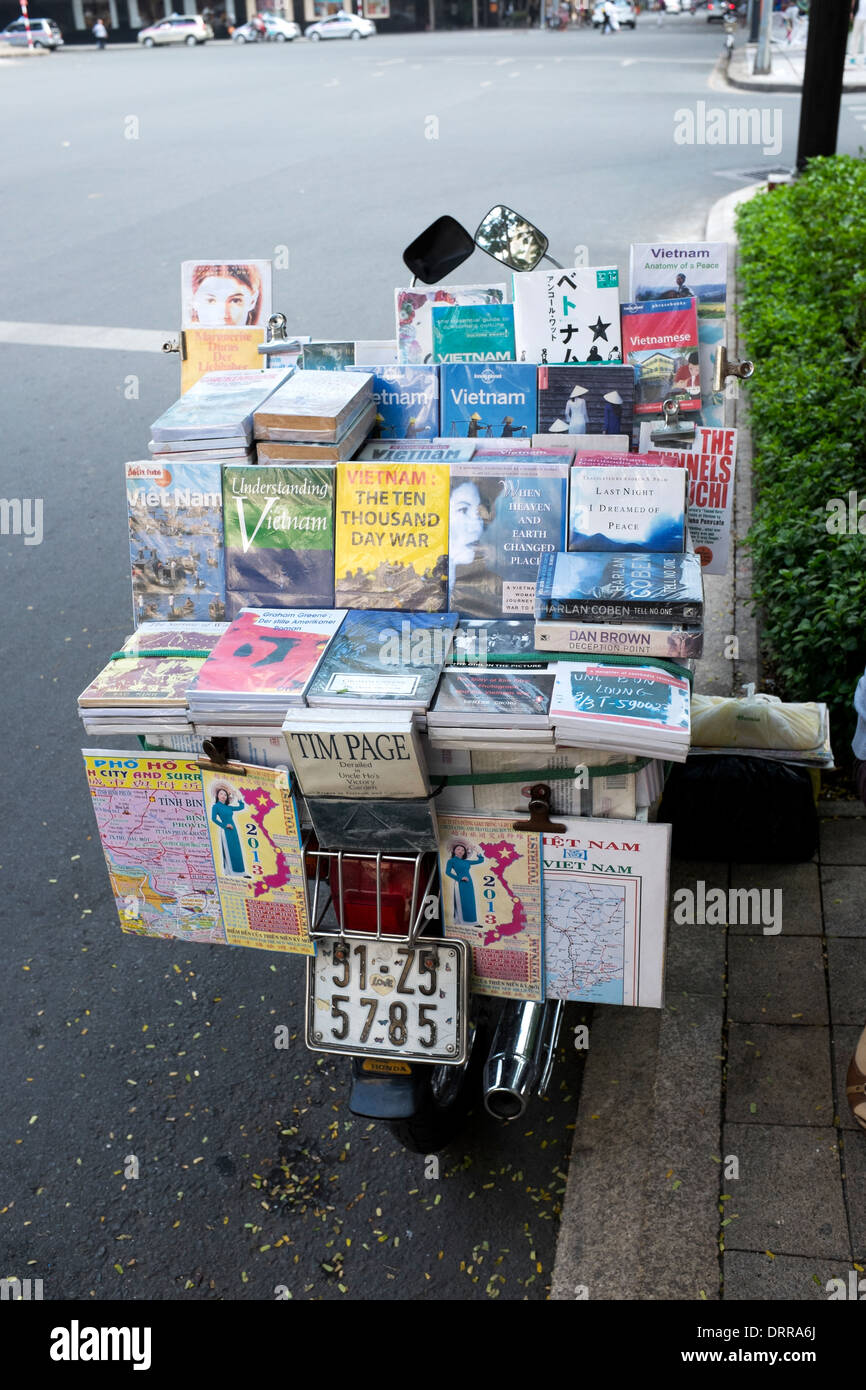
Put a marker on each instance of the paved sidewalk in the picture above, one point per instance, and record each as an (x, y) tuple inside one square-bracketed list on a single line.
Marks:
[(714, 1155), (787, 70)]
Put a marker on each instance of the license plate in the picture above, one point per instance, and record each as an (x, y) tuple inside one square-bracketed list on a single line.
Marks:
[(385, 999)]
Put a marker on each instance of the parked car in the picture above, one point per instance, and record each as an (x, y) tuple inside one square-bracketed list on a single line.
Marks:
[(278, 30), (716, 10), (44, 33), (625, 13), (190, 29), (340, 26)]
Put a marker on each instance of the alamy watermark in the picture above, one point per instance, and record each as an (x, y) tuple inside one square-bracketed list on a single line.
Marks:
[(729, 125), (846, 515), (22, 516), (713, 907)]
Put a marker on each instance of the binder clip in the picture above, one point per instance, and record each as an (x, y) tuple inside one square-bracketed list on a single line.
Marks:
[(675, 432), (278, 349), (723, 367), (171, 345), (539, 813), (216, 752)]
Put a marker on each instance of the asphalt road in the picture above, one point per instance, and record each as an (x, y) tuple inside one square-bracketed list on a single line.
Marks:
[(118, 166)]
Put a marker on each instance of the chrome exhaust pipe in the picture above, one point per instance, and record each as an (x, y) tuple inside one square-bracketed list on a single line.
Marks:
[(521, 1056)]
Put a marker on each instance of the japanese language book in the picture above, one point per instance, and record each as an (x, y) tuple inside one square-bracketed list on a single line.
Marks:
[(414, 318), (503, 516), (491, 898), (256, 847), (406, 399), (667, 270), (627, 507), (359, 753), (473, 332), (219, 406), (279, 527), (605, 912), (176, 540), (620, 588), (568, 315), (151, 821), (660, 340), (711, 463), (384, 658), (262, 664), (392, 535), (497, 400), (315, 406), (642, 710), (578, 401)]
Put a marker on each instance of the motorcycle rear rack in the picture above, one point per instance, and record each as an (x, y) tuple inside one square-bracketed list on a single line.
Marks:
[(424, 903)]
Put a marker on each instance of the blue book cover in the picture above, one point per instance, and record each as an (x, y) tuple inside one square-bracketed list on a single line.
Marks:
[(384, 657), (620, 587), (626, 508), (593, 399), (489, 400), (407, 400), (503, 516), (473, 332), (176, 541)]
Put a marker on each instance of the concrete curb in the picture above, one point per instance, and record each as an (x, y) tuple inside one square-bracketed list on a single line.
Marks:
[(742, 80), (640, 1216)]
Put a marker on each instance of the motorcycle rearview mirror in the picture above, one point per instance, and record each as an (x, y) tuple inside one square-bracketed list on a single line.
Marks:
[(510, 238), (440, 248)]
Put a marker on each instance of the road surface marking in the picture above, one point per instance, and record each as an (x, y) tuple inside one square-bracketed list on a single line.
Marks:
[(80, 335)]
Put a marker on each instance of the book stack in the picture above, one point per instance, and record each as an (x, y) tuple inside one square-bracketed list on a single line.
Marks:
[(642, 710), (214, 419), (625, 603), (316, 416), (383, 659), (262, 665), (145, 688), (488, 706)]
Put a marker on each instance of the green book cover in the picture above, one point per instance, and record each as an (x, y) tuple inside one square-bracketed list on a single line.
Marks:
[(279, 535), (473, 332)]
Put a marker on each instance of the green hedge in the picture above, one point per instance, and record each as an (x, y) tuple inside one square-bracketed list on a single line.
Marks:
[(803, 318)]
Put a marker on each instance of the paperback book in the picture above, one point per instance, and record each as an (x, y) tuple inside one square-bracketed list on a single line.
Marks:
[(319, 451), (473, 332), (496, 642), (491, 898), (406, 400), (495, 400), (176, 540), (605, 912), (205, 350), (365, 754), (503, 516), (583, 443), (491, 698), (567, 315), (279, 526), (256, 846), (414, 318), (589, 792), (628, 508), (152, 826), (711, 463), (660, 340), (630, 709), (225, 295), (220, 405), (392, 536), (616, 588), (327, 356), (314, 406), (578, 401), (143, 683), (597, 639), (417, 451), (384, 658)]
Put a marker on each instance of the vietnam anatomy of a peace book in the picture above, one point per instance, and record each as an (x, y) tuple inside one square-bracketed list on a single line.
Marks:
[(568, 315)]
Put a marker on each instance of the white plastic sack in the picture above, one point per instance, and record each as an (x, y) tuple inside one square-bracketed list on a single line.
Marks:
[(756, 721)]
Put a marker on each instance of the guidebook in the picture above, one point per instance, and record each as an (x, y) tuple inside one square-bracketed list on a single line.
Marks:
[(491, 898), (176, 540), (577, 401), (498, 399), (473, 332), (660, 340), (414, 317), (417, 451), (620, 588), (406, 400), (384, 658), (504, 515), (605, 912), (392, 536), (279, 525), (151, 821), (567, 315)]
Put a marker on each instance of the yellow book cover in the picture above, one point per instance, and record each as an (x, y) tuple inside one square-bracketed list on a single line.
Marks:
[(218, 350), (392, 536), (255, 837)]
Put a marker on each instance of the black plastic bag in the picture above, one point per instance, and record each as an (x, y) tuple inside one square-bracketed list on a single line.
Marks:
[(751, 810)]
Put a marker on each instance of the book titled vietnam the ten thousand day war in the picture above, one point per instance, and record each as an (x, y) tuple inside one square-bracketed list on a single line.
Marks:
[(392, 536)]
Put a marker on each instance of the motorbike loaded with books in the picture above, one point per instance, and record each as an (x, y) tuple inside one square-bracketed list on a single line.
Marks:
[(415, 630)]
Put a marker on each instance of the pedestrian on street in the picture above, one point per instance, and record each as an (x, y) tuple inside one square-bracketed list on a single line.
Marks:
[(100, 33)]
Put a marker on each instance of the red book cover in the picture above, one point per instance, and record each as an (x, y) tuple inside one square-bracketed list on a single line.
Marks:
[(658, 459), (660, 340), (269, 650)]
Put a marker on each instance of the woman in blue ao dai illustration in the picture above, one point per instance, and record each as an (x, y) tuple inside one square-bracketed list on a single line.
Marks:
[(222, 814), (459, 867)]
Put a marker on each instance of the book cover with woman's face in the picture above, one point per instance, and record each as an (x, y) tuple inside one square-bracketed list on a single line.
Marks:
[(225, 294)]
